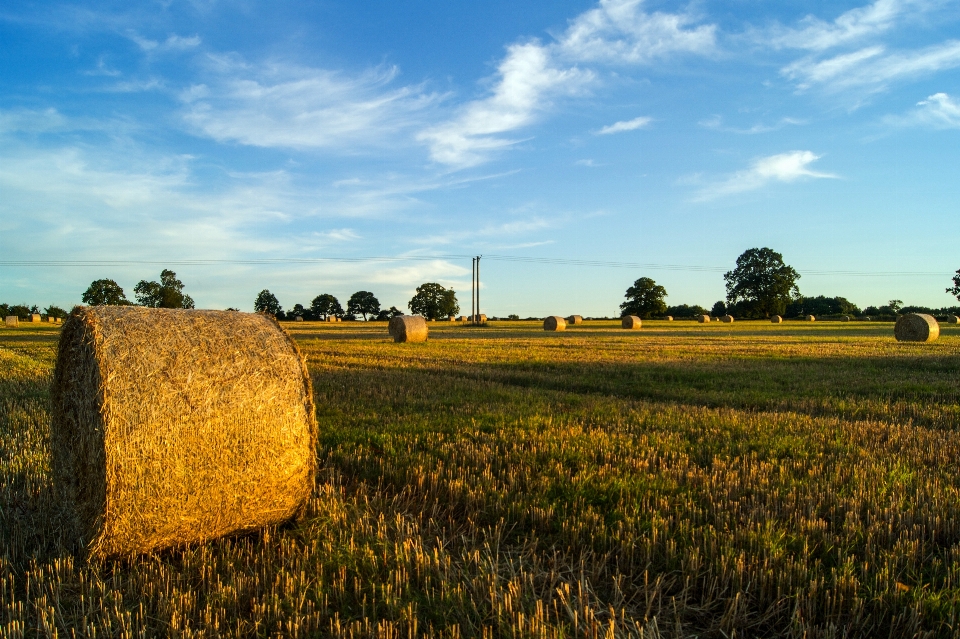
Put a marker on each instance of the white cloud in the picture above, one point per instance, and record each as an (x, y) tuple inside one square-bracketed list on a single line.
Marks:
[(284, 106), (856, 24), (715, 123), (627, 125), (172, 43), (783, 167), (938, 111)]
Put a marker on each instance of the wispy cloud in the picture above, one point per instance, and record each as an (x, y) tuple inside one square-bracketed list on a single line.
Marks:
[(854, 25), (938, 111), (626, 125), (281, 105), (716, 123), (171, 43), (783, 167)]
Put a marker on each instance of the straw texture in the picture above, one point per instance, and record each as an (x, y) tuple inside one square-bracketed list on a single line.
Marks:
[(178, 426), (916, 327), (727, 319), (703, 319), (574, 320), (11, 321), (631, 322), (776, 319), (35, 318), (408, 328), (554, 323)]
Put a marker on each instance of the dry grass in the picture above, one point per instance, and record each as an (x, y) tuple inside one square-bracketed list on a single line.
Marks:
[(764, 480)]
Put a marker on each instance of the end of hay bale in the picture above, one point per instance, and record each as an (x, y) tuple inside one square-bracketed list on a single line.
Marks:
[(630, 322), (554, 323), (574, 320), (845, 318), (35, 318), (299, 319), (408, 328), (776, 319), (811, 318), (174, 426), (669, 318), (916, 327), (11, 321), (452, 319), (462, 318), (703, 319), (953, 319), (727, 319)]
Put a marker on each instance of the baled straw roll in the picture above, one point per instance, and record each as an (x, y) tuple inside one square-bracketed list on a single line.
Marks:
[(728, 319), (408, 328), (575, 319), (776, 319), (554, 323), (178, 426), (703, 319), (916, 327), (631, 322)]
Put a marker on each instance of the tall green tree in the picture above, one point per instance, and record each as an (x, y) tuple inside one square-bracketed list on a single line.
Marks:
[(104, 292), (955, 289), (433, 301), (326, 305), (55, 311), (363, 303), (167, 293), (761, 285), (644, 299), (267, 302)]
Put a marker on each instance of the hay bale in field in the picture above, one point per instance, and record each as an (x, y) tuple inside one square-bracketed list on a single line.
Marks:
[(845, 318), (299, 319), (953, 319), (811, 318), (703, 319), (408, 328), (574, 320), (631, 322), (727, 319), (669, 318), (11, 321), (916, 327), (34, 318), (51, 320), (481, 318), (776, 319), (554, 323), (462, 318), (174, 426), (452, 318)]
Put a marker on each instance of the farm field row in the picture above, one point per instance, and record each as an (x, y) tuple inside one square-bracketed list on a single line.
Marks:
[(794, 479)]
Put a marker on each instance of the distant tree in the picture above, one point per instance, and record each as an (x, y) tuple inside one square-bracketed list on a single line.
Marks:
[(298, 311), (104, 293), (395, 312), (4, 310), (326, 305), (167, 293), (685, 310), (955, 289), (55, 311), (644, 299), (267, 302), (434, 301), (364, 303), (719, 309), (761, 285), (513, 316), (20, 310), (821, 305), (895, 305)]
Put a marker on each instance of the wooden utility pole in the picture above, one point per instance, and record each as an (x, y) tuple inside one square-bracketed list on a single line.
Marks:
[(478, 289), (473, 290)]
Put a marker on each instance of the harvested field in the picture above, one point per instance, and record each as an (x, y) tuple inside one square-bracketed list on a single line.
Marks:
[(751, 478)]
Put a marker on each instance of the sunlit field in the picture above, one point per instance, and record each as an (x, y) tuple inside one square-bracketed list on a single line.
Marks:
[(714, 480)]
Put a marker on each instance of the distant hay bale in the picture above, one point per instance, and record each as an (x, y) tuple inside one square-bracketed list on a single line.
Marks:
[(953, 319), (452, 318), (669, 318), (331, 319), (916, 327), (299, 319), (554, 323), (34, 318), (776, 319), (811, 318), (11, 321), (631, 322), (727, 319), (574, 320), (408, 328), (51, 319), (703, 319), (481, 318), (845, 318), (174, 426), (462, 318), (867, 319)]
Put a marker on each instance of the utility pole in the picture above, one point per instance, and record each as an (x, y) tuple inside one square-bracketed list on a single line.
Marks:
[(478, 288), (473, 289)]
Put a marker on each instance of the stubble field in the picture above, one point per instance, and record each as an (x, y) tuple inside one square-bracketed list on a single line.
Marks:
[(750, 479)]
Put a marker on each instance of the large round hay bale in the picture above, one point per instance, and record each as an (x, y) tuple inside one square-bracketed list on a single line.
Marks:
[(727, 319), (630, 322), (845, 318), (35, 318), (776, 319), (916, 327), (953, 319), (669, 318), (174, 426), (703, 319), (575, 319), (452, 319), (299, 319), (408, 328), (462, 318), (811, 318), (554, 323), (11, 321)]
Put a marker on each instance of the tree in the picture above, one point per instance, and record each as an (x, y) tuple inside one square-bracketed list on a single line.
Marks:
[(55, 311), (644, 299), (434, 301), (364, 303), (761, 285), (167, 293), (685, 310), (325, 305), (267, 302), (20, 310), (895, 305), (299, 311), (104, 293), (955, 289), (719, 309)]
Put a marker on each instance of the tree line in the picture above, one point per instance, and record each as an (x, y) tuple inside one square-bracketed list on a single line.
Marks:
[(761, 286), (431, 300)]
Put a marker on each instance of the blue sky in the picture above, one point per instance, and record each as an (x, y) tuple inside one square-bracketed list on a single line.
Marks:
[(228, 140)]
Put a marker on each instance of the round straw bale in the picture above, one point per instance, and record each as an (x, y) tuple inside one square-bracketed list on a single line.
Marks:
[(728, 319), (408, 328), (34, 317), (631, 322), (845, 318), (174, 426), (811, 318), (916, 327), (482, 318), (703, 319), (11, 321), (554, 323), (776, 319), (575, 319), (953, 319), (452, 318), (669, 318), (299, 319), (462, 318)]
